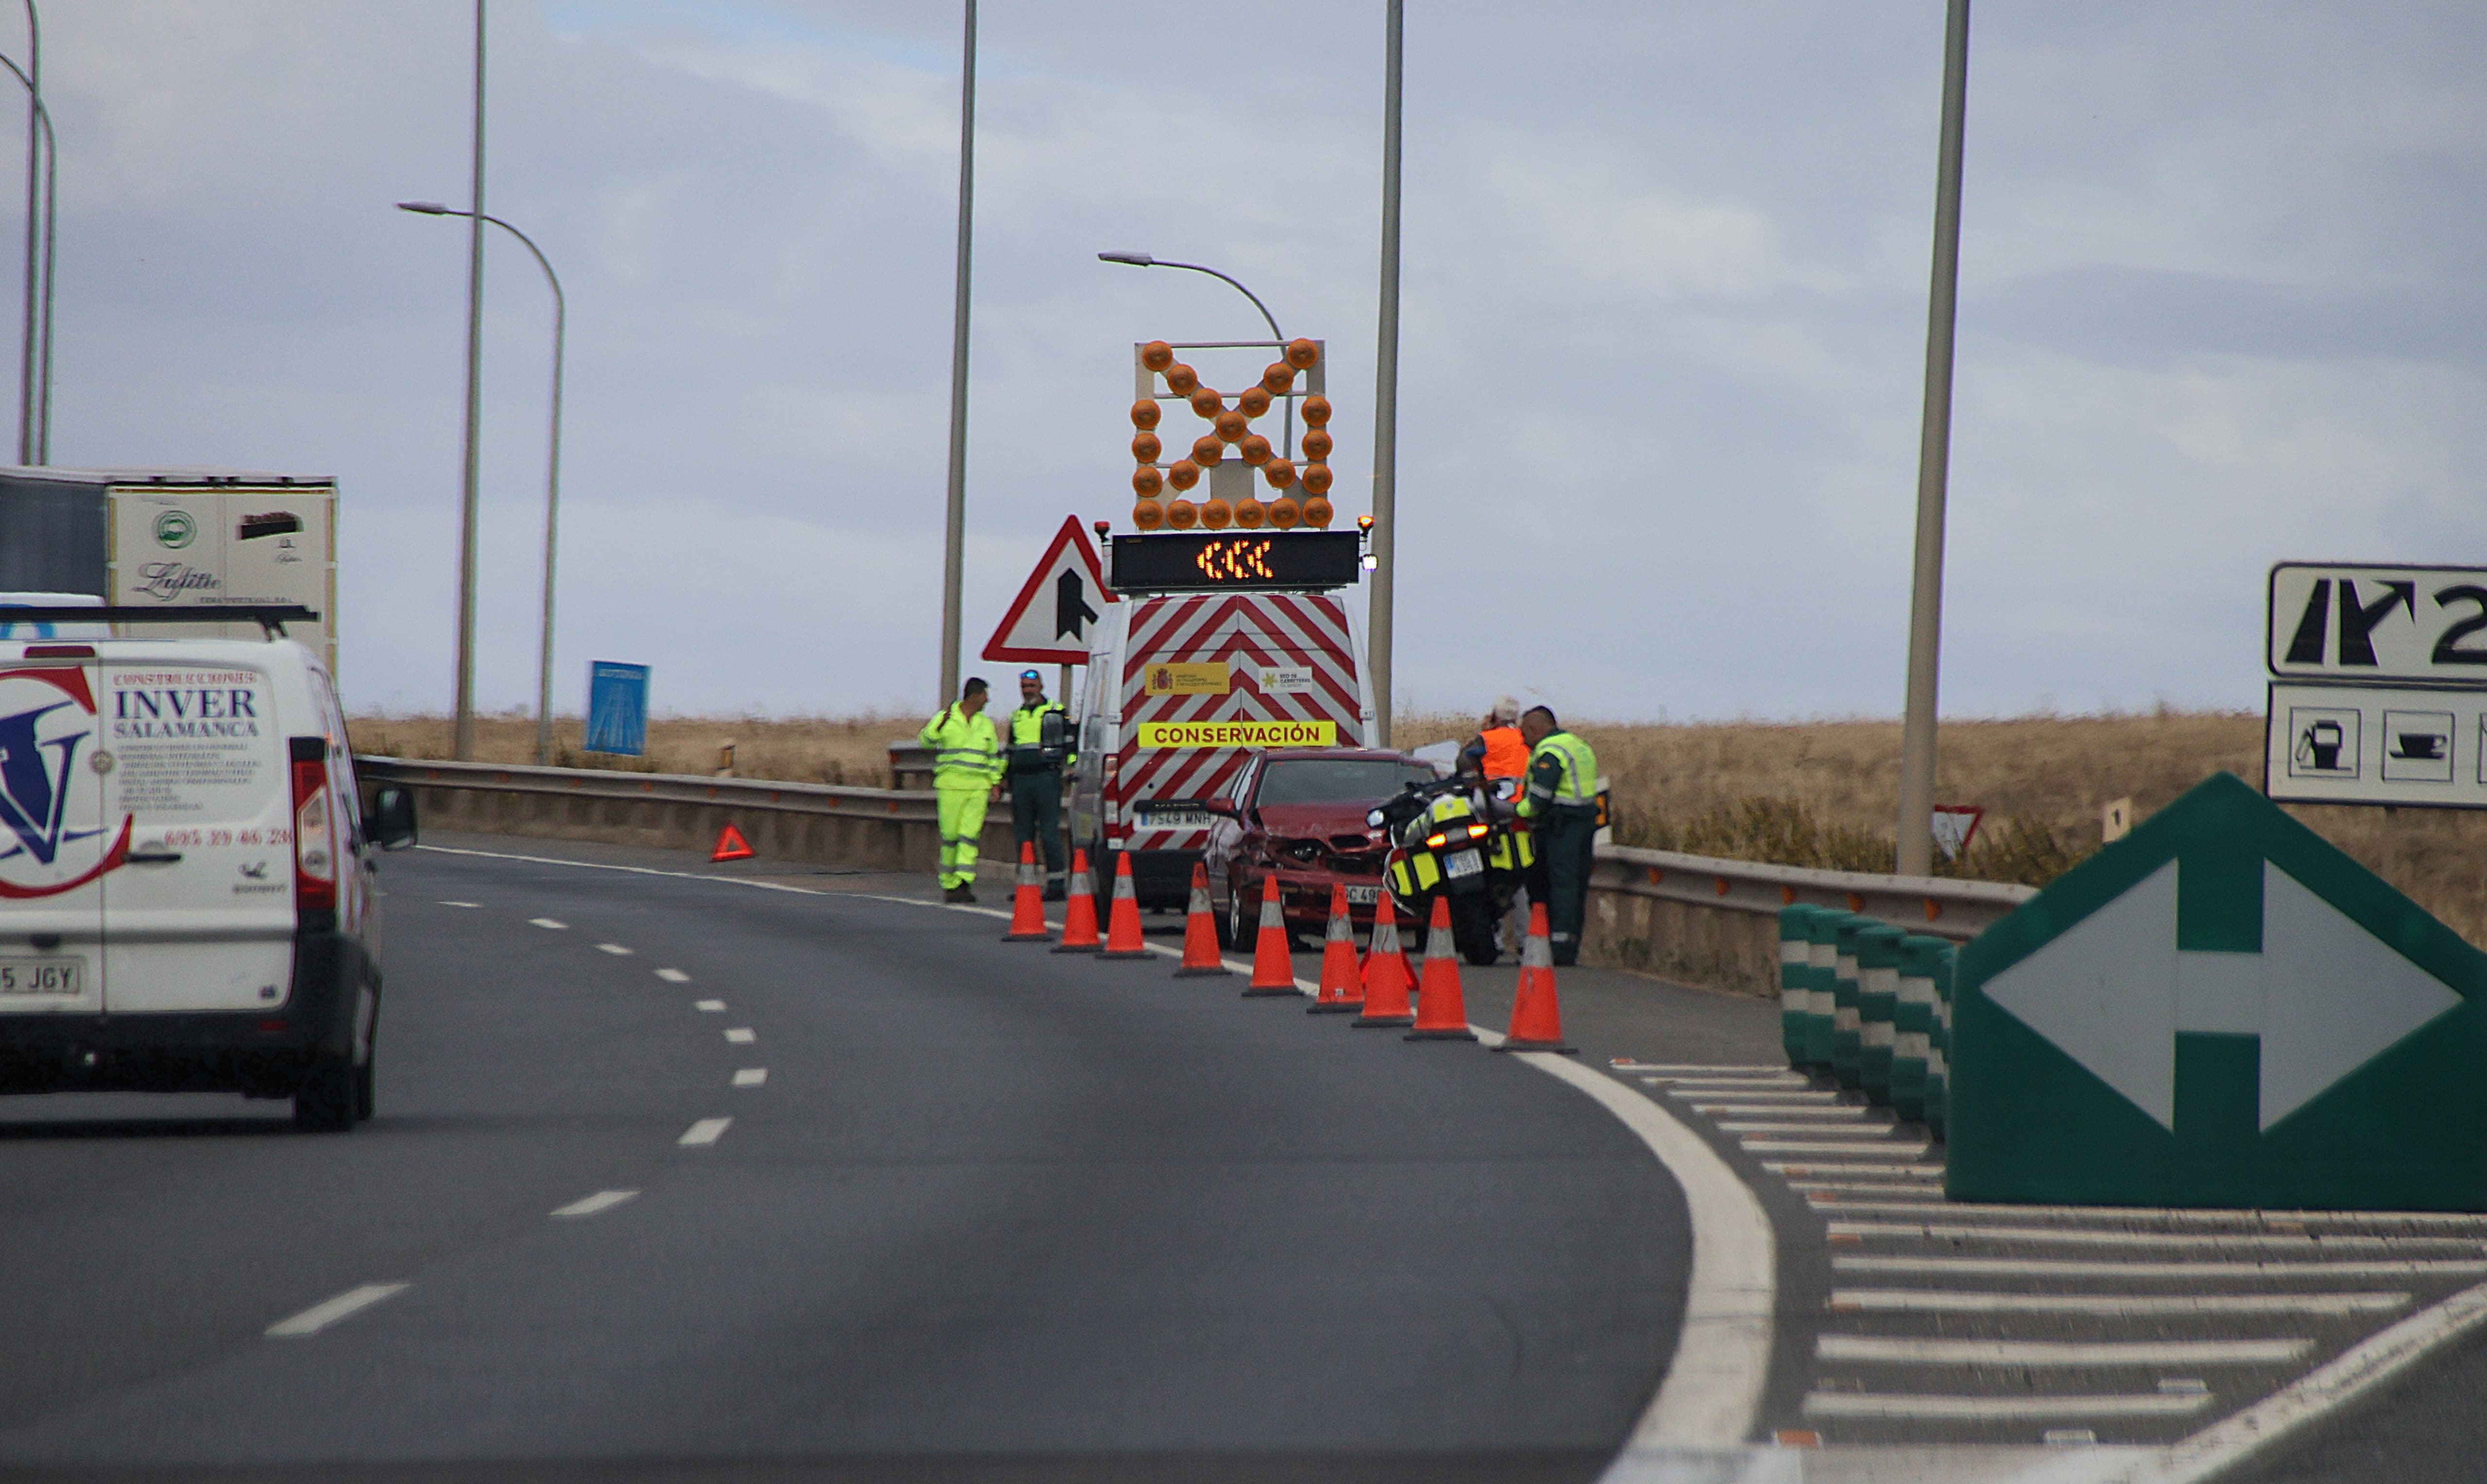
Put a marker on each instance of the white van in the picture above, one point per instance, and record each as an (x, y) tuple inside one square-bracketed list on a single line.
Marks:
[(188, 895)]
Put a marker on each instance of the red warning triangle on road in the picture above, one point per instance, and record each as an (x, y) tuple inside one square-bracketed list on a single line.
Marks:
[(730, 846), (1055, 614)]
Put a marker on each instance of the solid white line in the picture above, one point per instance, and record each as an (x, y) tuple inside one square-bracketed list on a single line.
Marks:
[(1714, 1383), (1885, 1149), (2010, 1267), (673, 976), (602, 1200), (615, 949), (1813, 1130), (1884, 1350), (2346, 1377), (2183, 1215), (1920, 1300), (710, 1006), (1997, 1409), (1897, 1172), (547, 922), (1856, 1231), (740, 1035), (320, 1316), (750, 1076), (462, 903), (708, 1131)]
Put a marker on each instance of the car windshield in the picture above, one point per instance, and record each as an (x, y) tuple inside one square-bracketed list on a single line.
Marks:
[(1337, 780)]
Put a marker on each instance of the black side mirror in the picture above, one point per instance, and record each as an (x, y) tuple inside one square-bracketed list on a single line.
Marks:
[(392, 817)]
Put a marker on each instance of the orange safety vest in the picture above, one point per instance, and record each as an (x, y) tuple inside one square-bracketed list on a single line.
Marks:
[(1506, 756)]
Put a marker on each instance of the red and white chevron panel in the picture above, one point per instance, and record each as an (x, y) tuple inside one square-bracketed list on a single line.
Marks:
[(1247, 631)]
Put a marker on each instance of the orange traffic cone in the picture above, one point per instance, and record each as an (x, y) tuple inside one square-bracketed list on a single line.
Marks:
[(1123, 939), (1536, 1020), (1341, 989), (1200, 958), (730, 846), (1079, 913), (1027, 903), (1273, 968), (1441, 1011), (1386, 979)]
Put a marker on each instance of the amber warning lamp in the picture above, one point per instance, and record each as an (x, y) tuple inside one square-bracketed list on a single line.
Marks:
[(1297, 492)]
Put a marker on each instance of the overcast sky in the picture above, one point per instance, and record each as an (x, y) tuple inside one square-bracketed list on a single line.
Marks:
[(1665, 301)]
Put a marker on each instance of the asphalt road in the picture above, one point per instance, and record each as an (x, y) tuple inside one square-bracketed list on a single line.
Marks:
[(992, 1214)]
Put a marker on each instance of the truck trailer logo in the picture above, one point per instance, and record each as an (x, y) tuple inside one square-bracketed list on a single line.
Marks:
[(176, 530), (45, 716)]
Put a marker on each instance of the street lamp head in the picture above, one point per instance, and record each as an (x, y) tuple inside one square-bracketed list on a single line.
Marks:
[(1135, 259), (425, 208)]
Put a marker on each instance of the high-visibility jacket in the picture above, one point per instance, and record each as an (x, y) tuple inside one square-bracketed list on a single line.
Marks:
[(1562, 774), (965, 752), (1039, 738), (1506, 754)]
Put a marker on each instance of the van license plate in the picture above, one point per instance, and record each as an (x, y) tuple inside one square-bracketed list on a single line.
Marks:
[(1464, 863), (1364, 896), (43, 976), (1172, 817)]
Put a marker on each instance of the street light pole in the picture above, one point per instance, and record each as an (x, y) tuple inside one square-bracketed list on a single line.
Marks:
[(1385, 390), (552, 468), (34, 382), (1915, 855), (28, 371), (471, 480), (1140, 260), (955, 516)]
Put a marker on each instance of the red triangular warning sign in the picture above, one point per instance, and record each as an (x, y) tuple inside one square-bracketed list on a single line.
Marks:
[(730, 846)]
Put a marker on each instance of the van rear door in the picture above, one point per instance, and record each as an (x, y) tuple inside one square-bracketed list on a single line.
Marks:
[(202, 917), (55, 847)]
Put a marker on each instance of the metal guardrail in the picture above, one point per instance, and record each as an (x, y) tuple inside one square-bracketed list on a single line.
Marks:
[(841, 800), (1922, 904)]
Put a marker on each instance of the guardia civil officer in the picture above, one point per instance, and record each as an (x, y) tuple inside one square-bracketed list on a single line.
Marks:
[(1560, 802), (1040, 748), (967, 768)]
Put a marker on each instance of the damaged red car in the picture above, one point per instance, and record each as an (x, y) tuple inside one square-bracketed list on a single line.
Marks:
[(1298, 815)]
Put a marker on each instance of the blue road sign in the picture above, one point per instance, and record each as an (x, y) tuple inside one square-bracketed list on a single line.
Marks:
[(617, 708)]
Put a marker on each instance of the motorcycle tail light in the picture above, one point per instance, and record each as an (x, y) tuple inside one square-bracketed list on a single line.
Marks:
[(1475, 830), (1437, 842)]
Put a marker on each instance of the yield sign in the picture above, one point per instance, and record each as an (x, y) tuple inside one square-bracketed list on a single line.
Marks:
[(2221, 1009), (1054, 614)]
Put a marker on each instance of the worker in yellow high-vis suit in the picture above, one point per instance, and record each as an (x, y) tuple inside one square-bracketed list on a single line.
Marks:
[(966, 766)]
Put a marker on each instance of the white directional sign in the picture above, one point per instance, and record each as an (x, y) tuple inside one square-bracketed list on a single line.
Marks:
[(2372, 744), (2342, 622), (2324, 994), (1055, 613)]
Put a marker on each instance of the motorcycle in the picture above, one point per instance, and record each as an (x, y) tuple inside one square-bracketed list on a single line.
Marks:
[(1443, 844)]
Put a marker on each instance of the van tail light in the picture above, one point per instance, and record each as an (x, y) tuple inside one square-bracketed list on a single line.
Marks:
[(315, 843)]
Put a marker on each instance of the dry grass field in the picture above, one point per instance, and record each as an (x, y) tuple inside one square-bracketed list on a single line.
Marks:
[(1803, 793)]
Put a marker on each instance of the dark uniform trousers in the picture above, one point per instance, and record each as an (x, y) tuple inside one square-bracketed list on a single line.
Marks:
[(1035, 814), (1567, 842)]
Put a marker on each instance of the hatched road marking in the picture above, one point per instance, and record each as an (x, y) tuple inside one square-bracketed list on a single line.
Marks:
[(320, 1316), (2022, 1267), (1947, 1301), (1999, 1409), (1884, 1350), (1853, 1231)]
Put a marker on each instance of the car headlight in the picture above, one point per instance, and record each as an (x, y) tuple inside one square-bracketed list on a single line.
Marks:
[(1375, 818)]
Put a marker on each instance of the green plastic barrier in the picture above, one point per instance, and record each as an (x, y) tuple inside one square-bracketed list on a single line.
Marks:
[(1796, 981), (1821, 975), (1848, 1028), (1912, 1026), (1939, 1044), (1877, 1002)]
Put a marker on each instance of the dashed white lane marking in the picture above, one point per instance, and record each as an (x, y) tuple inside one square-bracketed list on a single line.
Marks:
[(2048, 1236), (1999, 1409), (754, 1077), (462, 903), (1914, 1300), (554, 923), (740, 1035), (602, 1200), (320, 1316), (2022, 1267), (673, 976), (1883, 1349), (708, 1131), (615, 949), (712, 1006)]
